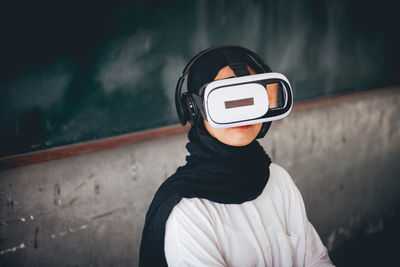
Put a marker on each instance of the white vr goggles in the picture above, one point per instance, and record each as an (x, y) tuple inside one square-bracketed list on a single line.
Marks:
[(242, 100), (245, 100)]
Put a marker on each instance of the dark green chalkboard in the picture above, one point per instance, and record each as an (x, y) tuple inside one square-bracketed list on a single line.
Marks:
[(73, 72)]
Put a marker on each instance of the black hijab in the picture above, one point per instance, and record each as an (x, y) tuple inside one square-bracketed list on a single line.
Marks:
[(214, 171)]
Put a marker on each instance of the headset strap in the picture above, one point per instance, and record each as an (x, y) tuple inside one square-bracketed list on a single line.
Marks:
[(236, 63)]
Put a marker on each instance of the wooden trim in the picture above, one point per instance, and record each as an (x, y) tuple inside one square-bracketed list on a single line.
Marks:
[(132, 138), (328, 100), (90, 146)]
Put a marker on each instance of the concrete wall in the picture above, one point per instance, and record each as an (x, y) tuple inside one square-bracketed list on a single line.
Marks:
[(89, 210)]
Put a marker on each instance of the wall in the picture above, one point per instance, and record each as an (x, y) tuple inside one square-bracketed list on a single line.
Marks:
[(69, 74), (89, 210)]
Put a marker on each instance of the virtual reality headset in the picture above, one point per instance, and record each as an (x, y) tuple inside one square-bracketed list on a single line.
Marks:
[(238, 101), (245, 100)]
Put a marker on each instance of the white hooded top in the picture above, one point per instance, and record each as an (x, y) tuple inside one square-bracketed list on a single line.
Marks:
[(272, 230)]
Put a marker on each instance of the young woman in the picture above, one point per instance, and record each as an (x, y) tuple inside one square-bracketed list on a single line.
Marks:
[(229, 205)]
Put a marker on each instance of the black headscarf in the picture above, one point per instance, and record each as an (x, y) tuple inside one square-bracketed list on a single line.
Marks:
[(207, 67), (214, 171)]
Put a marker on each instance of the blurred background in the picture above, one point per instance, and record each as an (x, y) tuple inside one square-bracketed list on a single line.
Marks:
[(77, 71)]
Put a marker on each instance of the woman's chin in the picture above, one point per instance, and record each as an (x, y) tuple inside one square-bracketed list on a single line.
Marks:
[(237, 138)]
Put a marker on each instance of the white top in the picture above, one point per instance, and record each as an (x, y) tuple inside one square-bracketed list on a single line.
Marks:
[(272, 230)]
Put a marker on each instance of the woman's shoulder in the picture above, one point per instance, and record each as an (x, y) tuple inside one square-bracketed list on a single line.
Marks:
[(280, 185), (197, 210), (278, 175)]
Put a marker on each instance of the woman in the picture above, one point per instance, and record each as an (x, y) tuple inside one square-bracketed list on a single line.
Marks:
[(228, 206)]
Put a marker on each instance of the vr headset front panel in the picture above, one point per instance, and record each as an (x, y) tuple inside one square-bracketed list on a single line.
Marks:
[(247, 100), (237, 103)]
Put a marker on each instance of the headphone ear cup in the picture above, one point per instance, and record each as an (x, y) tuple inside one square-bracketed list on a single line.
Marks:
[(190, 111), (179, 104), (184, 109)]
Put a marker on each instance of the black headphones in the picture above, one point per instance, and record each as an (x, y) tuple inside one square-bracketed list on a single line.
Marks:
[(185, 103)]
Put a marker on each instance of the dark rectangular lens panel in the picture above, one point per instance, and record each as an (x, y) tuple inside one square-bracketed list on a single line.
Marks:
[(275, 95), (239, 103)]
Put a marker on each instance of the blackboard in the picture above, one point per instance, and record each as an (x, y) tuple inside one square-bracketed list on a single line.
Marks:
[(79, 71)]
